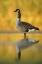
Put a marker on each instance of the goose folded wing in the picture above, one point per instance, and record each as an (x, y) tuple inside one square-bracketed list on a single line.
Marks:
[(27, 25)]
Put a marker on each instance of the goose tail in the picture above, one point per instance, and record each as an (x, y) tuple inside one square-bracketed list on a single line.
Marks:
[(37, 28)]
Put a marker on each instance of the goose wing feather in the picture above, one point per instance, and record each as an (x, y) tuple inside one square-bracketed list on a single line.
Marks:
[(26, 25)]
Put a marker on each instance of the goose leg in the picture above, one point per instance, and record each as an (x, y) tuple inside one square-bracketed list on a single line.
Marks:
[(24, 35), (19, 55)]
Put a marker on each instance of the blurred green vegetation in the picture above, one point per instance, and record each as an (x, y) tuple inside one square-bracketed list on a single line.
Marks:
[(31, 12)]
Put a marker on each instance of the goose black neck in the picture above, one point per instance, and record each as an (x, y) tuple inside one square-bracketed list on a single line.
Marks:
[(19, 14)]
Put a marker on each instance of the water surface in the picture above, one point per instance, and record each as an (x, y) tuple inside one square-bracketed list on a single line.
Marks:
[(14, 48)]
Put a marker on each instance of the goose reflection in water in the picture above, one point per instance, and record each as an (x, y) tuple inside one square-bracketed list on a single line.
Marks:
[(24, 43)]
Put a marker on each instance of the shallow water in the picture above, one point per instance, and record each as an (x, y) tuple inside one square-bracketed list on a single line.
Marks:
[(14, 48)]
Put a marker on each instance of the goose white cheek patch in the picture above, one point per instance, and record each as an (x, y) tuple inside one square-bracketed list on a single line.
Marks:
[(17, 10)]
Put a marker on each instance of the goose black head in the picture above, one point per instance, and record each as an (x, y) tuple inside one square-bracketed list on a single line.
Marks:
[(19, 13), (17, 10)]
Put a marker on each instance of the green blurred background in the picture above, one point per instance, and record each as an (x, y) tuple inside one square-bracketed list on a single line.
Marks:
[(31, 11)]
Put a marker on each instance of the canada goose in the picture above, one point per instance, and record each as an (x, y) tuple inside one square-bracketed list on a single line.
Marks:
[(23, 26)]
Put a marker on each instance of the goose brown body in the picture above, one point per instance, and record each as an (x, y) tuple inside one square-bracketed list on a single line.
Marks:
[(26, 27)]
